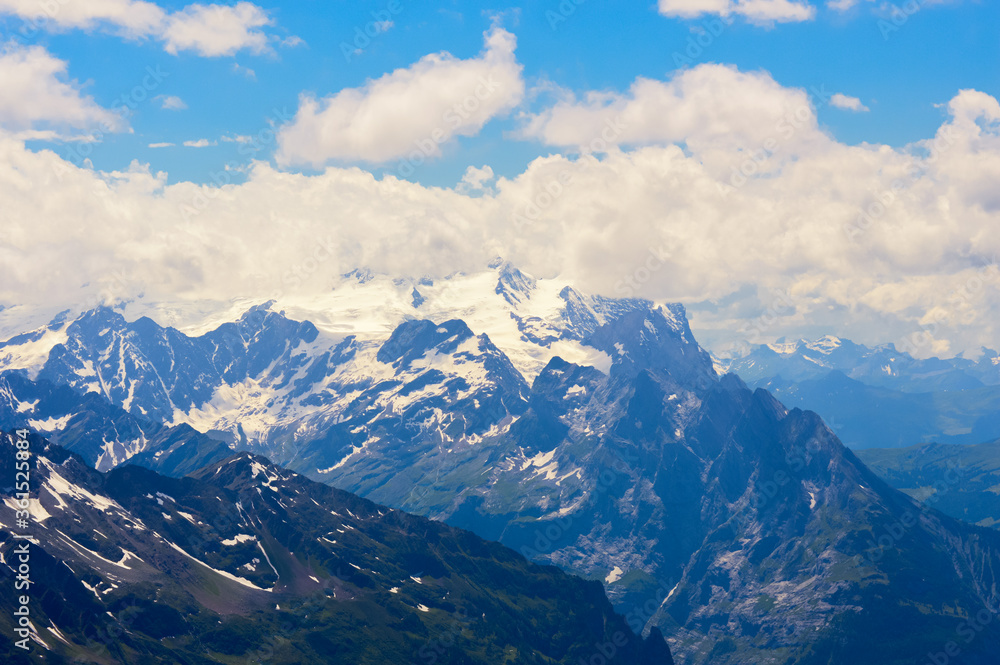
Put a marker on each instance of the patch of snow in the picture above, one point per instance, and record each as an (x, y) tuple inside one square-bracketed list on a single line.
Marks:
[(239, 580), (268, 559)]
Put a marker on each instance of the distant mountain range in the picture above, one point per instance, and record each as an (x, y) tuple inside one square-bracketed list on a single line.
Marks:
[(586, 432), (881, 366), (878, 397)]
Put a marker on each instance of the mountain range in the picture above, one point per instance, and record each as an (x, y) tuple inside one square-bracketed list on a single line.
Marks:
[(879, 397), (586, 432)]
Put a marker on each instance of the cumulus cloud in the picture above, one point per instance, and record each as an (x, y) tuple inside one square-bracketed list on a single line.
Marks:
[(842, 101), (411, 111), (162, 144), (755, 11), (208, 30), (214, 30), (38, 95), (199, 143), (869, 241), (716, 110)]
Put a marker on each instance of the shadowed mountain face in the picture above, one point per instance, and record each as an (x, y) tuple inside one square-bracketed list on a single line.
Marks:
[(745, 531), (246, 562)]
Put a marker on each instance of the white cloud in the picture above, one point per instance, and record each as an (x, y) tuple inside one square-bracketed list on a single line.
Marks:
[(695, 8), (794, 226), (410, 111), (199, 143), (38, 95), (842, 101), (214, 30), (208, 30), (715, 110), (53, 135), (131, 18), (161, 145), (756, 11), (171, 102)]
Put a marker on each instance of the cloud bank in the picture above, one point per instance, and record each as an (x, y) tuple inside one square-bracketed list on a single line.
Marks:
[(729, 212)]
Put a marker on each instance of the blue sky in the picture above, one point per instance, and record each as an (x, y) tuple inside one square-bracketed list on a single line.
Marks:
[(902, 79), (812, 167)]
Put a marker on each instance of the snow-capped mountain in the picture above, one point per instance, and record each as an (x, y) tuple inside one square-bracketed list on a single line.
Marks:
[(103, 434), (245, 562), (530, 319), (267, 382), (740, 528)]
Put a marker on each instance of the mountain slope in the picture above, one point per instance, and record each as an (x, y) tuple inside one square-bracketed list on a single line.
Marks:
[(103, 434), (245, 560), (962, 481)]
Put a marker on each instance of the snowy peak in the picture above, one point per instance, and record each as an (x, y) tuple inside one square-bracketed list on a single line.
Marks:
[(659, 340), (512, 284), (825, 345), (584, 314), (414, 339)]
